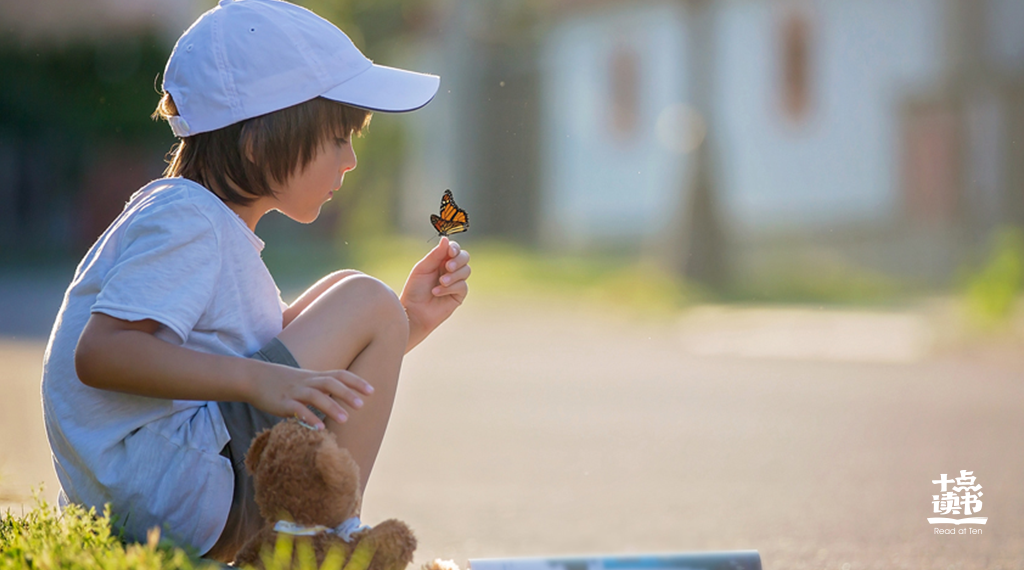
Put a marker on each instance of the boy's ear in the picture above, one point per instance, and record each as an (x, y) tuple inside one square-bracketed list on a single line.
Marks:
[(252, 457)]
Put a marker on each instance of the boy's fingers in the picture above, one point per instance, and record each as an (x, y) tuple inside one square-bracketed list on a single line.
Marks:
[(329, 407), (353, 381), (457, 261), (451, 278), (306, 415), (339, 391), (460, 288)]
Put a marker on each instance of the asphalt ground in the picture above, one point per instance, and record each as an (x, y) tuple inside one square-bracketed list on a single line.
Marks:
[(525, 428)]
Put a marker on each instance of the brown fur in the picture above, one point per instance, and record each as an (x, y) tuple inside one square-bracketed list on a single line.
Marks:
[(303, 476)]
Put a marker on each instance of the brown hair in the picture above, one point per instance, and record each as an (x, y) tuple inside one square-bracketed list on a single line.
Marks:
[(238, 162)]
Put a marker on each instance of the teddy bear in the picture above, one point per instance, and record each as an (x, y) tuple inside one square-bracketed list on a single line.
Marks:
[(307, 486)]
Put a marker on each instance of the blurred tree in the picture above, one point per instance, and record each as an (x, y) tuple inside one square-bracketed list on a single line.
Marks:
[(992, 292), (100, 88), (698, 248), (65, 108), (371, 23)]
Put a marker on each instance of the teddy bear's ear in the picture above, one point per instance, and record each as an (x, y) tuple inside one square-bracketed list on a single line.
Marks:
[(336, 466), (252, 457)]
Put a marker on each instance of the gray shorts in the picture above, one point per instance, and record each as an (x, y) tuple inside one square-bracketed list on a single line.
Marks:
[(244, 422)]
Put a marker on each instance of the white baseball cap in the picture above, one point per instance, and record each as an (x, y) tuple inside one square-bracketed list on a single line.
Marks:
[(246, 58)]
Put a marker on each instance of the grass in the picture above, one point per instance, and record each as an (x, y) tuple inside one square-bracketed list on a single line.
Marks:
[(79, 539), (620, 282), (635, 285), (823, 283), (992, 290), (604, 281), (502, 271)]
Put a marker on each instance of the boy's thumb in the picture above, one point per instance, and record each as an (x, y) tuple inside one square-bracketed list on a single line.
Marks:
[(433, 260)]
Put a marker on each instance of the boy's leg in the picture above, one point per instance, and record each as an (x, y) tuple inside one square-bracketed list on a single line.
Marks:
[(357, 325), (244, 422)]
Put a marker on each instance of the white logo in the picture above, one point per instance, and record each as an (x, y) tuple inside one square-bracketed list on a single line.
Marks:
[(952, 503)]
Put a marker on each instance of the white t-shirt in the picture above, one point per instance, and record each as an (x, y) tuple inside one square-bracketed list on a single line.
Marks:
[(180, 256)]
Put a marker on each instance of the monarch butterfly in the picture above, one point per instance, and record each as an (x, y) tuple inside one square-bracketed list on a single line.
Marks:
[(452, 220)]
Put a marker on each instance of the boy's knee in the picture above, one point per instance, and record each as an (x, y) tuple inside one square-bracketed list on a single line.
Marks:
[(381, 302)]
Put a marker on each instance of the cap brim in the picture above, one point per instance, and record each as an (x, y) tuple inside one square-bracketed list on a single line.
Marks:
[(386, 89)]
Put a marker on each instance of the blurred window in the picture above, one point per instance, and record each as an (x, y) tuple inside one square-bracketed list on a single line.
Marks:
[(796, 66), (931, 162), (624, 75)]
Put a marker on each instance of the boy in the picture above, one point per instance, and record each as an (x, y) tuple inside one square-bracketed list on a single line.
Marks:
[(172, 348)]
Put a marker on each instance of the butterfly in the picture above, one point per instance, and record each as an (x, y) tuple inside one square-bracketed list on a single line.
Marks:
[(452, 220)]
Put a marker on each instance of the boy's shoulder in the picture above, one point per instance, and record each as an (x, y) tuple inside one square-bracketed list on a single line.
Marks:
[(174, 204), (178, 199), (171, 193)]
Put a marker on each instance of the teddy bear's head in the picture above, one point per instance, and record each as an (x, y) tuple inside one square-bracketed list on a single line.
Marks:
[(302, 475)]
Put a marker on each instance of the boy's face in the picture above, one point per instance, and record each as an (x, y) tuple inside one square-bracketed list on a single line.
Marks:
[(301, 197)]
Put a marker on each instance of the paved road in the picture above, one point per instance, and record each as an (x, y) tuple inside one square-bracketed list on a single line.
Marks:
[(29, 301), (527, 430)]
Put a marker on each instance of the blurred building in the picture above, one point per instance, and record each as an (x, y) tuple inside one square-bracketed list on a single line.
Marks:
[(727, 136)]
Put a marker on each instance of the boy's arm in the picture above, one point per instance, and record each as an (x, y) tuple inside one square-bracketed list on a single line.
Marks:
[(125, 356)]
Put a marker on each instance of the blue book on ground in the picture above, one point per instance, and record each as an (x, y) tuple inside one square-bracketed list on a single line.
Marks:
[(730, 560)]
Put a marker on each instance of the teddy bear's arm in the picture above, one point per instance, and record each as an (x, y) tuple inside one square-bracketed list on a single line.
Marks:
[(394, 545)]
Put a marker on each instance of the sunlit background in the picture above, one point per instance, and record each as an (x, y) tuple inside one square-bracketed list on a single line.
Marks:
[(822, 151), (798, 150), (797, 181)]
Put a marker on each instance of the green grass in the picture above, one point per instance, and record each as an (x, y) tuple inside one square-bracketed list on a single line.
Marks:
[(629, 284), (502, 271), (77, 539), (822, 282), (992, 290)]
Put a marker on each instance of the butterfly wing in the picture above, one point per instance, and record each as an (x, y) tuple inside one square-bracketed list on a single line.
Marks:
[(438, 224), (452, 220), (446, 227)]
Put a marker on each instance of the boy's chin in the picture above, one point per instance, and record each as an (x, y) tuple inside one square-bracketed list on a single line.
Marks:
[(303, 218), (309, 220)]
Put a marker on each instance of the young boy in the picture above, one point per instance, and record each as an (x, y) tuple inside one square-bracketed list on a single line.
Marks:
[(173, 348)]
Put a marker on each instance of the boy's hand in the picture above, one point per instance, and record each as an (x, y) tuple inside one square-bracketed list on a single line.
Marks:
[(286, 392), (435, 288)]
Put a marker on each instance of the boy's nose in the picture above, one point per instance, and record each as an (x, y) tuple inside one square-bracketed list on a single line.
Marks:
[(349, 163)]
